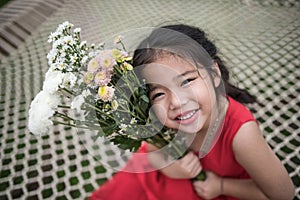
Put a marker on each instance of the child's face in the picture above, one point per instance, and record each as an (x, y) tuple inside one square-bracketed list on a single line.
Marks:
[(180, 97)]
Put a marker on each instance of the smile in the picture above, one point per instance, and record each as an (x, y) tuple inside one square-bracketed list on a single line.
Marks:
[(186, 116)]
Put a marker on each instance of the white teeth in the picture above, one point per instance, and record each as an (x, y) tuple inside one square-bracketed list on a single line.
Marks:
[(187, 116)]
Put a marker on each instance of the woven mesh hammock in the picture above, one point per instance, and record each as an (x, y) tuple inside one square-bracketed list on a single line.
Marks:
[(259, 40)]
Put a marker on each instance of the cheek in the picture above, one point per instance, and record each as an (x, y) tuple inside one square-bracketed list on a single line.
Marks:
[(160, 112), (205, 94)]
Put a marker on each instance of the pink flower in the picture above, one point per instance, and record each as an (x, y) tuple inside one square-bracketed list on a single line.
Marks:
[(102, 77), (106, 93)]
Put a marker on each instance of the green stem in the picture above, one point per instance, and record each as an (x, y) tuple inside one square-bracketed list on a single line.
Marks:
[(63, 106), (68, 91), (97, 109), (63, 116), (76, 126)]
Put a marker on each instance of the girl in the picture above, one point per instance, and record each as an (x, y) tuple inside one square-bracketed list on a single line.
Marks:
[(185, 87)]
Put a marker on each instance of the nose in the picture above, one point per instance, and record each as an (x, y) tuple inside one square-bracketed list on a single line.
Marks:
[(177, 100)]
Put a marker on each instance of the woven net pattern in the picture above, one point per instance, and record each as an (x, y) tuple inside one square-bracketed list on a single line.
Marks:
[(259, 40)]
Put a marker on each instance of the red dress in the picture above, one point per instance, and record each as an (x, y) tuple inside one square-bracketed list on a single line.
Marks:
[(156, 186)]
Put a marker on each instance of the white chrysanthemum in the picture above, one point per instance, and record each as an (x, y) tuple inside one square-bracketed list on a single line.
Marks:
[(52, 37), (83, 43), (84, 59), (77, 102), (86, 93), (64, 26), (41, 110), (51, 56), (68, 40), (39, 122), (52, 81), (69, 80), (73, 59), (77, 30)]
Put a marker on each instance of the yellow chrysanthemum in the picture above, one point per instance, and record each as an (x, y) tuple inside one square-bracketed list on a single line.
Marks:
[(100, 75), (93, 65), (107, 62), (116, 54), (102, 91), (105, 93), (88, 77)]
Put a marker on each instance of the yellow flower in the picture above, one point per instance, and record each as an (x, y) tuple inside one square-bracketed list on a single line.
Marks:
[(108, 62), (93, 65), (88, 77), (100, 76), (128, 58), (105, 93), (128, 66), (114, 104), (102, 91), (116, 54)]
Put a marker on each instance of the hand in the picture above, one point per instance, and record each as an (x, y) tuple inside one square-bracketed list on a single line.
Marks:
[(189, 165), (210, 188)]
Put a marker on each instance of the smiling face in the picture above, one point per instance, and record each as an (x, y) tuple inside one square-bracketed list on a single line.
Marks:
[(181, 95)]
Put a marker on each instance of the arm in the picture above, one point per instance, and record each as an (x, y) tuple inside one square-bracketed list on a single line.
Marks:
[(215, 186), (268, 174), (270, 179), (185, 168)]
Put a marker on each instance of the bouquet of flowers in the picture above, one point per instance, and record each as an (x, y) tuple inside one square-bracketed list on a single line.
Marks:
[(103, 87)]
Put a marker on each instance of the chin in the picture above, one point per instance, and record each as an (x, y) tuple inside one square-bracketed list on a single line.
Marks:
[(190, 130)]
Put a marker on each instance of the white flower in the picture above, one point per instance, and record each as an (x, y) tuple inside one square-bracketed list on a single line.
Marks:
[(84, 59), (133, 121), (77, 30), (86, 93), (51, 56), (123, 127), (41, 110), (39, 121), (68, 40), (83, 43), (63, 26), (53, 80), (69, 80), (92, 54), (77, 102), (52, 37), (73, 59), (57, 43)]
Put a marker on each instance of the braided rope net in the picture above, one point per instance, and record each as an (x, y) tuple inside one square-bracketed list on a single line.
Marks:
[(259, 40)]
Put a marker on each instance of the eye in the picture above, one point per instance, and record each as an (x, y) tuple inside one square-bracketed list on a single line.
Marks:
[(187, 81), (156, 95)]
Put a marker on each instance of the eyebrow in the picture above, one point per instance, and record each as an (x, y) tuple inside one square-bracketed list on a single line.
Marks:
[(152, 88), (186, 73)]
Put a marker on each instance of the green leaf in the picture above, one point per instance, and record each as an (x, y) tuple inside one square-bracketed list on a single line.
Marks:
[(145, 98), (125, 143)]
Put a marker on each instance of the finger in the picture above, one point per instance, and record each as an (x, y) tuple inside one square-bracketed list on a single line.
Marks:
[(194, 164), (185, 161), (198, 186)]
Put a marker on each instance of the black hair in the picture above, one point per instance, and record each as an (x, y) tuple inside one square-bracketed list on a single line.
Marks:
[(162, 39)]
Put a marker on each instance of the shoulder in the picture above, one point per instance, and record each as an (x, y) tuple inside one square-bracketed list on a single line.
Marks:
[(237, 115), (238, 111)]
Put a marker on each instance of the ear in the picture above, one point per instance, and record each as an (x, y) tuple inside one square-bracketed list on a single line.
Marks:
[(217, 75)]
